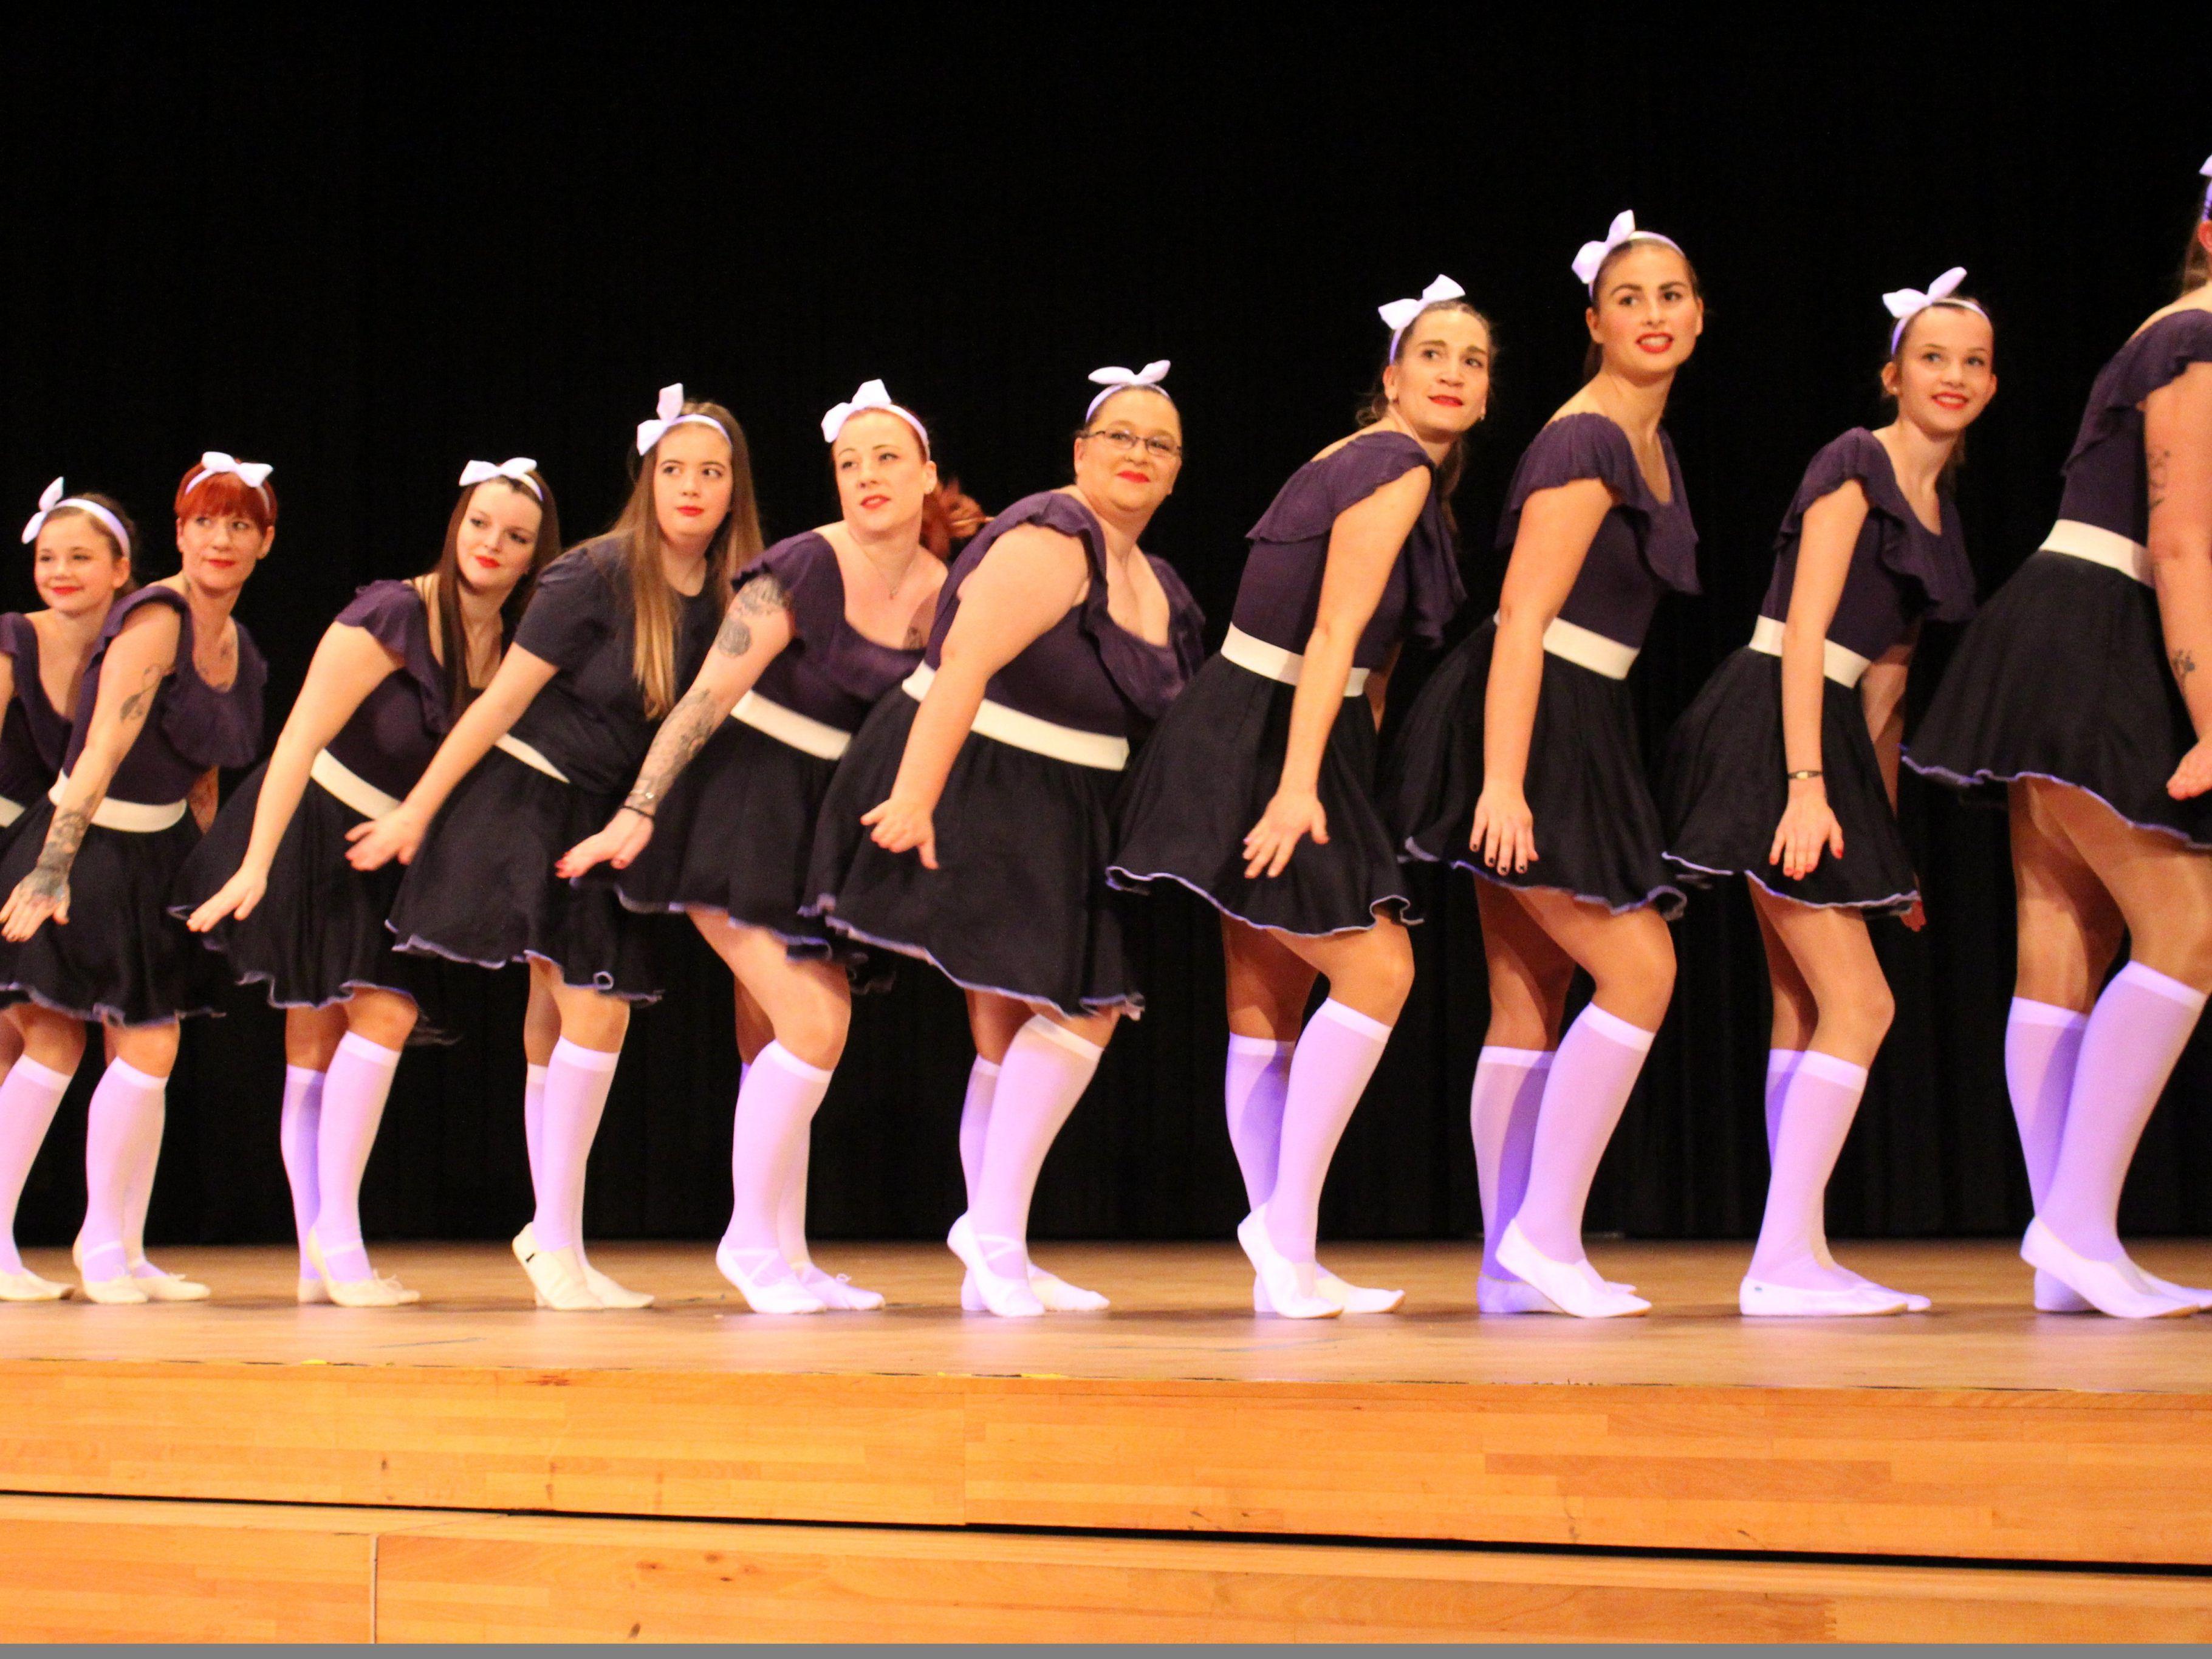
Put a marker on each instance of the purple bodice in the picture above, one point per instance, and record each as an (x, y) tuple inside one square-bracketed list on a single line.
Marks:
[(35, 735), (830, 671), (2106, 484), (1645, 548), (1900, 569), (399, 725), (1086, 670), (1280, 594), (192, 727)]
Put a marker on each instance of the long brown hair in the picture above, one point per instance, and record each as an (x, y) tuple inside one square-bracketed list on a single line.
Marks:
[(655, 605), (445, 582), (1379, 401)]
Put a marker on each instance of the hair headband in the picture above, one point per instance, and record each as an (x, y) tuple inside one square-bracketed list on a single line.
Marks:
[(669, 411), (1398, 316), (1909, 302), (53, 501), (871, 395), (1592, 259), (2207, 171), (515, 472), (1122, 380), (254, 474)]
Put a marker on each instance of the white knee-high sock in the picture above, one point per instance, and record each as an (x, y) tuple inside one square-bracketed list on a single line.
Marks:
[(359, 1083), (295, 1138), (29, 1097), (1046, 1070), (975, 1123), (1816, 1118), (775, 1107), (1780, 1067), (122, 1135), (1502, 1108), (533, 1115), (2043, 1045), (1591, 1079), (1255, 1080), (1336, 1055), (2136, 1033), (576, 1085)]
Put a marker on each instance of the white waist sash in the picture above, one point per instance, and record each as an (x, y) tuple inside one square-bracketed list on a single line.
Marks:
[(2086, 541), (1040, 737), (1838, 662), (1584, 649), (788, 726), (9, 811), (530, 757), (1271, 662), (137, 818), (349, 787)]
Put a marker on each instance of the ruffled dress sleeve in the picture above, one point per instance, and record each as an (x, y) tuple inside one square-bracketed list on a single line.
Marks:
[(2158, 357), (805, 567), (393, 614), (1307, 508), (1574, 447)]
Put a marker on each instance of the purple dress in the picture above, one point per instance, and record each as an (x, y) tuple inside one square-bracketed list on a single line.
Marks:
[(35, 734), (1725, 782), (1209, 772), (1019, 904), (122, 957), (2063, 674), (319, 933), (482, 888), (736, 832), (1597, 830)]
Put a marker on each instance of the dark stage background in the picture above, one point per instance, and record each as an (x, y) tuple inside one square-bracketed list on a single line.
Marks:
[(371, 246)]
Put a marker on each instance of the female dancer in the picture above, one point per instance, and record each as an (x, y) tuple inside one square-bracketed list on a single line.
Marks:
[(822, 626), (614, 630), (271, 887), (80, 564), (1273, 745), (1785, 770), (1523, 739), (2086, 686), (173, 691), (1056, 639)]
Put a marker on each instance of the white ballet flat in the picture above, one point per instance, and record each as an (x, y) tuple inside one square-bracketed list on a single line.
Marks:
[(1573, 1287), (1352, 1299), (308, 1292), (1008, 1298), (2054, 1294), (766, 1295), (835, 1291), (120, 1293), (1914, 1302), (374, 1291), (168, 1287), (612, 1295), (2109, 1287), (2200, 1299), (1760, 1298), (1510, 1296), (555, 1275), (1060, 1296), (1289, 1285), (27, 1287)]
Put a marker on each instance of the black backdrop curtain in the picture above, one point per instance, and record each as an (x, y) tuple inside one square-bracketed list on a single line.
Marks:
[(369, 246)]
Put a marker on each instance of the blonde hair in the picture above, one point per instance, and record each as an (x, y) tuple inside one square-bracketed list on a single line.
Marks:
[(654, 604)]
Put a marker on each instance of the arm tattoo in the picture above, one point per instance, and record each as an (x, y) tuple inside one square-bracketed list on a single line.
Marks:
[(50, 876), (681, 737), (2155, 467), (2184, 664), (735, 638), (140, 703), (764, 596)]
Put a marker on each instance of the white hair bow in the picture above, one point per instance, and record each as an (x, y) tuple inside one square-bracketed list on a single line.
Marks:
[(1399, 313), (2206, 170), (52, 498), (1121, 380), (669, 412), (251, 473), (514, 471), (872, 394), (1906, 303), (1592, 258)]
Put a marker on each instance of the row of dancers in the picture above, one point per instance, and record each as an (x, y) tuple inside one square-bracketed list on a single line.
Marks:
[(854, 746)]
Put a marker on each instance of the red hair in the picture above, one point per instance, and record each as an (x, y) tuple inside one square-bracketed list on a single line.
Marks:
[(225, 495)]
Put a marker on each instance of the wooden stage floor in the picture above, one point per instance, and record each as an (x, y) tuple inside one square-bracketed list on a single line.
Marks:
[(1174, 1468)]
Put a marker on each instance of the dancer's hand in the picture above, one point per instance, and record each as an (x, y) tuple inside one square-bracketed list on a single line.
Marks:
[(234, 898), (2194, 776), (397, 835), (1808, 826), (904, 826), (625, 837), (1289, 819), (37, 896), (1504, 835)]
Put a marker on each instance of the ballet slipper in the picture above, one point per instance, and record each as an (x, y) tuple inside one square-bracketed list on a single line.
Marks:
[(837, 1292), (27, 1287), (2199, 1298), (1573, 1286), (1352, 1299), (2108, 1287), (2054, 1294), (1510, 1296), (611, 1294), (374, 1291), (309, 1291), (1914, 1302), (121, 1291), (1760, 1298), (1060, 1296), (1289, 1284), (1006, 1297), (749, 1271), (156, 1284), (555, 1275)]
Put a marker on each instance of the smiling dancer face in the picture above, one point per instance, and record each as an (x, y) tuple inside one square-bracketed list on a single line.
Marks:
[(1437, 385), (77, 566), (885, 477), (1942, 373), (1128, 456), (1645, 312)]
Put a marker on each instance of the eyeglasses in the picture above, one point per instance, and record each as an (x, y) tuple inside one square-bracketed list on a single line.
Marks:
[(1121, 440)]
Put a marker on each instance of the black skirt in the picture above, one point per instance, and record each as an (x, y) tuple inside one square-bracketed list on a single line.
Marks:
[(1725, 784), (318, 934), (481, 889), (1019, 904), (735, 835), (1207, 774), (1597, 831), (2063, 675), (121, 958)]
